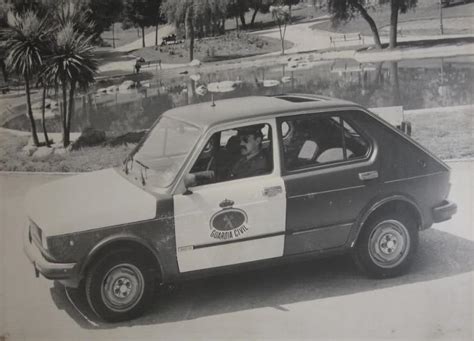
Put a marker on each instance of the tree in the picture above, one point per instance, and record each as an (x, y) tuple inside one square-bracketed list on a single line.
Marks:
[(104, 13), (142, 13), (281, 14), (345, 10), (4, 9), (181, 12), (26, 41), (396, 7), (70, 65), (262, 6)]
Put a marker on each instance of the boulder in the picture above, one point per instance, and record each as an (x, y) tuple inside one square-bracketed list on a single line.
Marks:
[(195, 62), (60, 151), (29, 149), (126, 85), (43, 152), (89, 137)]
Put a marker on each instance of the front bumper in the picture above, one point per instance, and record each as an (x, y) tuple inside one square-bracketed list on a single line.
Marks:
[(444, 211), (50, 270)]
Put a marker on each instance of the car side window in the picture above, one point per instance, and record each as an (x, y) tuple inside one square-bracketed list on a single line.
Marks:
[(319, 139), (234, 154)]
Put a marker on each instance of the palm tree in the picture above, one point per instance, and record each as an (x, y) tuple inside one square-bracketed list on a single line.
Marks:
[(70, 65), (26, 36)]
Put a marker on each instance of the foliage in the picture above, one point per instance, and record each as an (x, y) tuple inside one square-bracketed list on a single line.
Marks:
[(345, 10), (104, 13), (26, 42), (142, 13), (70, 61)]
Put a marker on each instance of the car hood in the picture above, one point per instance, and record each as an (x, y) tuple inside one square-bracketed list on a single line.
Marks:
[(87, 201)]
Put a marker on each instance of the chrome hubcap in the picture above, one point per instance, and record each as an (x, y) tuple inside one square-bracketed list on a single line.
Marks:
[(389, 243), (122, 287)]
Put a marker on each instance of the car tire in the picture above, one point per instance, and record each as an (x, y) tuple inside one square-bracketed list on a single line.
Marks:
[(119, 286), (386, 245)]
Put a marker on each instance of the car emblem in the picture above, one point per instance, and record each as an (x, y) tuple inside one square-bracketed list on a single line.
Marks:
[(229, 222)]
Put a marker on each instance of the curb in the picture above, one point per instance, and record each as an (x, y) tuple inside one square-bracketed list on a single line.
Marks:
[(39, 173)]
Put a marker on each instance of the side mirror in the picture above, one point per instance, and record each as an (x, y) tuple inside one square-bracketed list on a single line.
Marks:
[(189, 181)]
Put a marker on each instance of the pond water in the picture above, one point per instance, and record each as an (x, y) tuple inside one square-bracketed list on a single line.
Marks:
[(414, 84)]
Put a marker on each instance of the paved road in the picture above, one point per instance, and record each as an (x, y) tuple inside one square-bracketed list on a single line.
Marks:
[(318, 299)]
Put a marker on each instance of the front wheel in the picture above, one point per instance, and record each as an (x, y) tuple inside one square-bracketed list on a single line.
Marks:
[(119, 286), (386, 245)]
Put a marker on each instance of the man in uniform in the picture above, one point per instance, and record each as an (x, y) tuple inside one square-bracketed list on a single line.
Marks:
[(253, 160)]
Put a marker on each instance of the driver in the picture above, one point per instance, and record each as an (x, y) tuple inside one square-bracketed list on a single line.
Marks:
[(253, 160)]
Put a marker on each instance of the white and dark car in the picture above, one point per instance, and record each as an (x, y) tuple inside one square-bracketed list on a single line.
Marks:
[(336, 179)]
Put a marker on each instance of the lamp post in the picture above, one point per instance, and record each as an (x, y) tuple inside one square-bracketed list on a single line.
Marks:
[(441, 17)]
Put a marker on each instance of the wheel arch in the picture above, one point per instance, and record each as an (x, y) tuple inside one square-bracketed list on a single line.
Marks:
[(124, 241), (388, 204)]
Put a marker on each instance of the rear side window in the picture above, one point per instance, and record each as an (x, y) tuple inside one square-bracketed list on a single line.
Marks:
[(317, 139)]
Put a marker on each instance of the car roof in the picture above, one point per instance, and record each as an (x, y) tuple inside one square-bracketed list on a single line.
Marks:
[(252, 107)]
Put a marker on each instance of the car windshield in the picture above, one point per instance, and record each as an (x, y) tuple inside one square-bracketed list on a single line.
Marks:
[(163, 152)]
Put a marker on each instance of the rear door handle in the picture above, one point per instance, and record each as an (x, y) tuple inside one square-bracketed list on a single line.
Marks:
[(368, 175), (272, 191)]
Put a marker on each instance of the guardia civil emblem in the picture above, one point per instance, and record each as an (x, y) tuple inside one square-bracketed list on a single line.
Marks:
[(229, 222)]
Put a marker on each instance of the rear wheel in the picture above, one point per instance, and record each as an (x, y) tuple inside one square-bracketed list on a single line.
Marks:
[(386, 245), (119, 286)]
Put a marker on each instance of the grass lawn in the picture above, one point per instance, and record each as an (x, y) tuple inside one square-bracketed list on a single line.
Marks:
[(123, 37), (448, 136), (382, 18), (228, 46), (84, 160)]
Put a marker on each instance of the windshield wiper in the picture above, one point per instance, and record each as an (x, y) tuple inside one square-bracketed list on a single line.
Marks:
[(143, 178), (126, 162)]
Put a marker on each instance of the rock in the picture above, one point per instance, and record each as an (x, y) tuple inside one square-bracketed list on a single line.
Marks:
[(89, 137), (43, 152), (60, 151), (201, 90), (126, 85), (29, 149), (195, 62), (195, 77)]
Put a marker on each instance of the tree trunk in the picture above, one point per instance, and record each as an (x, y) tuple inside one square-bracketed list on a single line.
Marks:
[(371, 23), (396, 97), (4, 70), (43, 120), (253, 16), (113, 35), (143, 36), (190, 31), (156, 35), (71, 109), (30, 112), (64, 115), (242, 19), (393, 23)]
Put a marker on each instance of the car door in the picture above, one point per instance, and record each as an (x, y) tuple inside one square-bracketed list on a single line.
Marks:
[(232, 221), (330, 171)]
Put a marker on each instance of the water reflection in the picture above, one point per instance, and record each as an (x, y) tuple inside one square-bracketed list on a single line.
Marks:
[(413, 84)]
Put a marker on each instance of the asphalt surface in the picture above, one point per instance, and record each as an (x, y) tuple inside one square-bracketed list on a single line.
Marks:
[(323, 299)]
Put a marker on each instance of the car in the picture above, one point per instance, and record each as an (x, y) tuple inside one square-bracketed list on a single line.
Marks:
[(238, 184)]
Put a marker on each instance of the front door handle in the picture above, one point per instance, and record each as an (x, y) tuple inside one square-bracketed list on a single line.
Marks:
[(368, 175), (272, 191)]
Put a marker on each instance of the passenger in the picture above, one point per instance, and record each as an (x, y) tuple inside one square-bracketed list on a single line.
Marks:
[(253, 161)]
